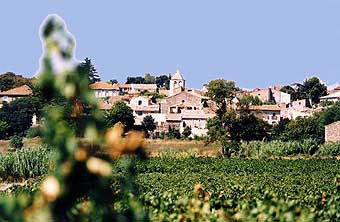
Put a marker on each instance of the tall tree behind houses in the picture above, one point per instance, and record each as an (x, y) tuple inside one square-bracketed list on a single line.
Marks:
[(87, 67)]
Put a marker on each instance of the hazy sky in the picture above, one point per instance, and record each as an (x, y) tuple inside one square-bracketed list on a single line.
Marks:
[(256, 43)]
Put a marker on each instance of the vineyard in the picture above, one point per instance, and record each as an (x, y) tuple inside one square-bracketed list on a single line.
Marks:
[(192, 188)]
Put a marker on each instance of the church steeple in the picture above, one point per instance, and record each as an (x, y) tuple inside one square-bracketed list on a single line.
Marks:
[(177, 83)]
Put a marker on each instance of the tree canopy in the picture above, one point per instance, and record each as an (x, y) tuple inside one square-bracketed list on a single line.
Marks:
[(311, 88), (10, 80), (148, 124), (220, 90), (17, 115), (120, 112), (87, 67)]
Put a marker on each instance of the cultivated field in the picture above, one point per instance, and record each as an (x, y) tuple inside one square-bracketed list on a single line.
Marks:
[(187, 187)]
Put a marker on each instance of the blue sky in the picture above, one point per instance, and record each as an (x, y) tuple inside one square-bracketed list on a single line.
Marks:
[(256, 43)]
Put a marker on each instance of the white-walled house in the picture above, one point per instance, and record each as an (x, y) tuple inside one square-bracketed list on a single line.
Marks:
[(334, 97), (15, 93), (104, 89)]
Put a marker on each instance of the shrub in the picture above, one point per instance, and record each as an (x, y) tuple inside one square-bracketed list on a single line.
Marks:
[(16, 142), (261, 149), (332, 149), (34, 132), (26, 163), (186, 132), (3, 129)]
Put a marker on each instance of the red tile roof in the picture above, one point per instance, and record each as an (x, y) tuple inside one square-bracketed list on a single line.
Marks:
[(18, 91), (104, 85)]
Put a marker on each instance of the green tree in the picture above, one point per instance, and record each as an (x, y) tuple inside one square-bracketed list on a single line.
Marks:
[(311, 88), (19, 113), (87, 67), (186, 132), (330, 115), (3, 129), (120, 112), (113, 81), (10, 80), (300, 129), (246, 101), (220, 91), (148, 124), (314, 89), (149, 79), (173, 133), (135, 80), (163, 81)]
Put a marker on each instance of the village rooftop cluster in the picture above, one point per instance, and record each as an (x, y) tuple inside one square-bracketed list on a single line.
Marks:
[(179, 107)]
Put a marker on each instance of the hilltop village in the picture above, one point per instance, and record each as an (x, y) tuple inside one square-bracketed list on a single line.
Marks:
[(179, 107)]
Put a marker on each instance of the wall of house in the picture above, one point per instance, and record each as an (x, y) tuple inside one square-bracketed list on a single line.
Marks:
[(332, 132), (139, 101), (281, 97), (270, 117), (102, 93), (263, 94), (184, 97)]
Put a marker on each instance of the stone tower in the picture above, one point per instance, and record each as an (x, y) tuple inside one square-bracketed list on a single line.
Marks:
[(177, 83)]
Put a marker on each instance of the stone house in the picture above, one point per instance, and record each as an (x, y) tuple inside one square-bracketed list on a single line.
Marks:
[(143, 106), (299, 108), (15, 93), (183, 101), (271, 95), (269, 113), (334, 97), (332, 132), (186, 109), (104, 89), (138, 88)]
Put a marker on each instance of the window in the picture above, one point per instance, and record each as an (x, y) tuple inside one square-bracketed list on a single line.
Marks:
[(183, 101), (140, 102)]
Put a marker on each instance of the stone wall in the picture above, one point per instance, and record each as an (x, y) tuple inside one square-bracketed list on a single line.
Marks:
[(332, 132)]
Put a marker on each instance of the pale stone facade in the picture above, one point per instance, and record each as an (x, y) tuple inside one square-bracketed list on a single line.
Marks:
[(332, 132), (271, 95), (334, 97), (269, 113)]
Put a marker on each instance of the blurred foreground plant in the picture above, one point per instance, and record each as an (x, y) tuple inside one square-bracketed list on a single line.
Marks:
[(79, 188)]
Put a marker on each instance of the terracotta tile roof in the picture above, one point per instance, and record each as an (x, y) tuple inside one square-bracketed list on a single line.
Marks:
[(104, 85), (18, 91), (124, 86), (265, 108), (125, 98), (144, 86)]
